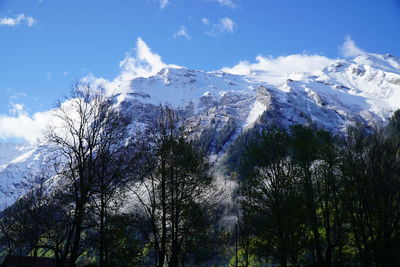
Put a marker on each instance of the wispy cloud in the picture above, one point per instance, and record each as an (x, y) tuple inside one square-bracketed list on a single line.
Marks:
[(224, 25), (349, 48), (17, 109), (205, 21), (163, 3), (281, 65), (182, 32), (19, 19), (17, 95), (227, 3)]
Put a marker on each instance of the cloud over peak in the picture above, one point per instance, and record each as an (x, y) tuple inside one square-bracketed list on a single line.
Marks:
[(349, 48), (281, 65), (144, 63), (29, 127)]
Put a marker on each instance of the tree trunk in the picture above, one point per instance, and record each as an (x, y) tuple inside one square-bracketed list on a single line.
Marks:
[(283, 261), (102, 232), (163, 219), (77, 236), (175, 254), (313, 216)]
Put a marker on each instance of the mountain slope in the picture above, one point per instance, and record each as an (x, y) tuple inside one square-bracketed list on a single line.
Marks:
[(219, 105), (19, 165)]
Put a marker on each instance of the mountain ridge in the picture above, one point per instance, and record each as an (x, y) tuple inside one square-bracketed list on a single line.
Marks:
[(365, 89)]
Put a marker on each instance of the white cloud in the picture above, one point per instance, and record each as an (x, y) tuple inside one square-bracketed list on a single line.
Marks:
[(17, 109), (144, 64), (349, 48), (182, 32), (224, 25), (227, 3), (17, 20), (163, 3), (20, 125), (30, 21), (205, 21), (281, 65)]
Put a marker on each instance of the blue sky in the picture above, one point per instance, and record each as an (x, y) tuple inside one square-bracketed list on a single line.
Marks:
[(47, 44)]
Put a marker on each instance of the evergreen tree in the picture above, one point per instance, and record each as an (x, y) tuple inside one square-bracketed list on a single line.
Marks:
[(175, 194)]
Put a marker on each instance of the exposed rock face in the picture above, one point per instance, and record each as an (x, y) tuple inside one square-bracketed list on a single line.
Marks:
[(219, 106)]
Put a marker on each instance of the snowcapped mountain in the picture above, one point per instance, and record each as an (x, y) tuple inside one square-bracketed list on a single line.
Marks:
[(19, 165), (365, 89)]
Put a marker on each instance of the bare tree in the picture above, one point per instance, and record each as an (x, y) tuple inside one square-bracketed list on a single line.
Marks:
[(86, 133), (112, 167)]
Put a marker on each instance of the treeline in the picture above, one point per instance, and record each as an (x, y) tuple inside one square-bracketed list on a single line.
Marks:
[(115, 193), (309, 198)]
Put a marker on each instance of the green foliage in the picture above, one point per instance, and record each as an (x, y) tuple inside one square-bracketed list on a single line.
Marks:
[(316, 198), (225, 134), (176, 196), (394, 122), (305, 197), (236, 156), (214, 140), (205, 140), (125, 246)]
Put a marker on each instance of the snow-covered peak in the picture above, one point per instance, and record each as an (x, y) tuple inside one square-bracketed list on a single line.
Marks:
[(387, 63), (18, 166), (365, 88), (180, 86), (340, 92), (370, 81)]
